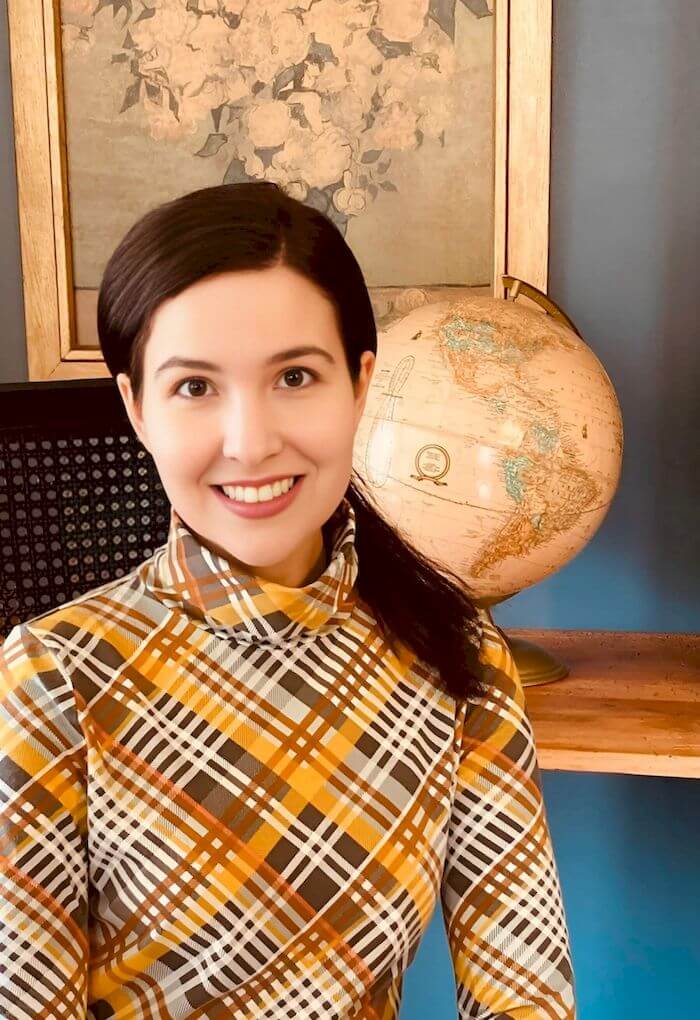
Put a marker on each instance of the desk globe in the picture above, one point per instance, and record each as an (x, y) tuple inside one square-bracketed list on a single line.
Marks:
[(492, 439)]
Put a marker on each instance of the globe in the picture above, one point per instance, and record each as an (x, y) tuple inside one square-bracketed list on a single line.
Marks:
[(492, 438)]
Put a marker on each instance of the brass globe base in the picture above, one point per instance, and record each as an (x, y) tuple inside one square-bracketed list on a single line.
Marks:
[(535, 665)]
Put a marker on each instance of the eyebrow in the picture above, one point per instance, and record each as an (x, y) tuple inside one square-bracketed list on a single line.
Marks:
[(292, 352)]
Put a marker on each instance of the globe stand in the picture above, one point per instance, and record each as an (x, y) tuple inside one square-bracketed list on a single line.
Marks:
[(516, 287), (535, 665)]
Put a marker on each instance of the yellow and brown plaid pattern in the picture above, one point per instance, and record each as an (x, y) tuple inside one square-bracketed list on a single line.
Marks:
[(222, 798)]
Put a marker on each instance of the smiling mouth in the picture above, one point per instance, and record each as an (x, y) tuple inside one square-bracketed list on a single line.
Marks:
[(253, 502)]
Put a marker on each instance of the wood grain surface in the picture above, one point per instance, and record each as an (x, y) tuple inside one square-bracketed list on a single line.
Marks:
[(631, 703)]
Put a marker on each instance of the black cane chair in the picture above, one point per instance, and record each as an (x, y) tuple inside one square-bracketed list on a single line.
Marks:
[(81, 502)]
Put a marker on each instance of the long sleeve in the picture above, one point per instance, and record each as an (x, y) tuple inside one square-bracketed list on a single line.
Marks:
[(501, 897), (43, 836)]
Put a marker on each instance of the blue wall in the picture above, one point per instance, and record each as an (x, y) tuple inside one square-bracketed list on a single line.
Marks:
[(625, 249)]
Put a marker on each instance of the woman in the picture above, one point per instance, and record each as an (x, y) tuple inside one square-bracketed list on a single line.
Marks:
[(238, 779)]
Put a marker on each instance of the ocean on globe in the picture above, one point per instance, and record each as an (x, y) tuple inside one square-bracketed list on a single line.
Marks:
[(491, 438)]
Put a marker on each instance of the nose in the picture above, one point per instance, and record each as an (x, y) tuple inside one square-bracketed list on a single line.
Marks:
[(250, 430)]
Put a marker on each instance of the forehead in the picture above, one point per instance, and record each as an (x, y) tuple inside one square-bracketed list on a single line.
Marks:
[(243, 315)]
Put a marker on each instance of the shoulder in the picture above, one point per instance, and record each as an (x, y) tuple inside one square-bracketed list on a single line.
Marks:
[(35, 694), (494, 651), (22, 654), (43, 656), (500, 715), (48, 652), (85, 612)]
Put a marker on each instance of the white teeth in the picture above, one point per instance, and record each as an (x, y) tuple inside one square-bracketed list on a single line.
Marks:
[(249, 494)]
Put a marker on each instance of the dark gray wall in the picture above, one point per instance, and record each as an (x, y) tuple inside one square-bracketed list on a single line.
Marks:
[(624, 246), (625, 223), (13, 358)]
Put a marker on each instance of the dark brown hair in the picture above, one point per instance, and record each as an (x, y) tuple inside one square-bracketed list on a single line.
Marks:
[(256, 225)]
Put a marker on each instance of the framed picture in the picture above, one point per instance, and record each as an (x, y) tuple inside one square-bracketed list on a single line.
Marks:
[(422, 129)]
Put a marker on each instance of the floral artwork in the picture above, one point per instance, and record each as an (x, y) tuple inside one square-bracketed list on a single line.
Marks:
[(320, 96)]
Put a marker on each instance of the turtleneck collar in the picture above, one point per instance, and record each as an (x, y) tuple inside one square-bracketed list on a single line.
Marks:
[(186, 574)]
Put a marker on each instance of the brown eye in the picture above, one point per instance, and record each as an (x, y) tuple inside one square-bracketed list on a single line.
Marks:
[(297, 372), (189, 383)]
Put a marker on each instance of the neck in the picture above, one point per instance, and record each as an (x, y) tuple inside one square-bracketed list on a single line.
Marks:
[(296, 572), (318, 567)]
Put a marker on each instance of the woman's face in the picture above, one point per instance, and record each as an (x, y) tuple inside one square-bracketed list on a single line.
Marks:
[(254, 412)]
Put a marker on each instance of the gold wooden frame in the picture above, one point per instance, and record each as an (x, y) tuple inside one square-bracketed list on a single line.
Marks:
[(522, 111)]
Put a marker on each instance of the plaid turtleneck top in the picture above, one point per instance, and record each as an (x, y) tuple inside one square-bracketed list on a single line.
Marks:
[(224, 798)]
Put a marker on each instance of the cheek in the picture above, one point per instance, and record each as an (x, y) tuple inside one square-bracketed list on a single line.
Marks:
[(329, 433), (178, 449)]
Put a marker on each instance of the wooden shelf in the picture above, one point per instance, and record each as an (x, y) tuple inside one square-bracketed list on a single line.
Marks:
[(630, 704)]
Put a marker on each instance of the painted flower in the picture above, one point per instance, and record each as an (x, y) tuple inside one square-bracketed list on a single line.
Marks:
[(363, 64), (345, 109), (350, 199), (334, 22), (311, 105), (404, 21), (164, 38), (212, 36), (245, 151), (268, 123), (270, 46), (297, 189), (330, 78), (319, 160), (238, 84)]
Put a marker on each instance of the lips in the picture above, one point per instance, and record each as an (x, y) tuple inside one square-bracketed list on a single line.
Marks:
[(266, 508)]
